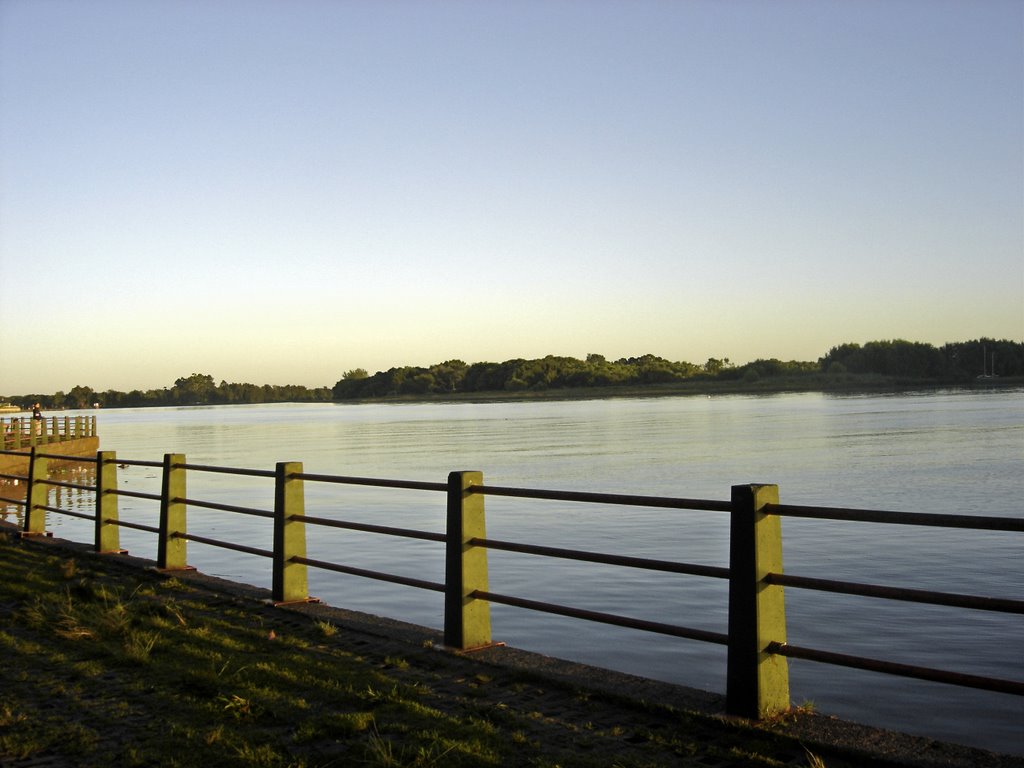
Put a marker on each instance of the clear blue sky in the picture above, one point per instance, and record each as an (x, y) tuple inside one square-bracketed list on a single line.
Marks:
[(277, 192)]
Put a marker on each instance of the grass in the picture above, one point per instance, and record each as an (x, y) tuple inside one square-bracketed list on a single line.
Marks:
[(106, 665)]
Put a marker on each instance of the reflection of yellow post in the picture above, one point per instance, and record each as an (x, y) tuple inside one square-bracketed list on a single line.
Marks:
[(107, 531), (171, 549), (467, 619), (290, 584), (757, 681), (36, 496)]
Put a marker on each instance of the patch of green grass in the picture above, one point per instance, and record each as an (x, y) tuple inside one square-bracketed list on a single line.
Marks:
[(103, 665)]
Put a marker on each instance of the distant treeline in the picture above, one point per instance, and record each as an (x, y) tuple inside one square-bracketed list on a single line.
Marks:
[(898, 362), (197, 389), (901, 361)]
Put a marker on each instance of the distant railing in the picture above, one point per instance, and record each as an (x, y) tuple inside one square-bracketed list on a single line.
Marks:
[(757, 683), (21, 432)]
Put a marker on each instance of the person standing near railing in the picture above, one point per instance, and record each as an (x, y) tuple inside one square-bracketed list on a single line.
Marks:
[(37, 418)]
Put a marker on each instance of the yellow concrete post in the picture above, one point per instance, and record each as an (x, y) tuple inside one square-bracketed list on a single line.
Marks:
[(36, 496), (467, 619), (67, 427), (171, 553), (757, 682), (108, 534), (290, 583)]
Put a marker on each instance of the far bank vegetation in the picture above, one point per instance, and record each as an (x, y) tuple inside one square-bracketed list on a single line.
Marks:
[(874, 365)]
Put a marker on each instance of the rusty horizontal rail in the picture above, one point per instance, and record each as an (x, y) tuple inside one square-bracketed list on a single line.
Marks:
[(669, 566), (370, 528), (413, 485), (136, 494), (664, 502), (974, 522), (227, 470), (376, 575), (924, 596), (980, 682), (134, 526), (65, 457), (69, 513), (224, 544), (225, 507), (604, 618), (135, 463), (65, 484)]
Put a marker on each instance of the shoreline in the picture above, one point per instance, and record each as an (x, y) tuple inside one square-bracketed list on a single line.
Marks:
[(832, 385)]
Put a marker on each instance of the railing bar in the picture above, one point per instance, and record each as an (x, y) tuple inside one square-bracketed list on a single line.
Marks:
[(63, 484), (225, 507), (68, 512), (605, 618), (902, 670), (6, 476), (378, 482), (390, 577), (134, 526), (979, 522), (669, 566), (18, 502), (225, 544), (63, 457), (136, 494), (605, 498), (228, 470), (136, 463), (406, 532), (1004, 605)]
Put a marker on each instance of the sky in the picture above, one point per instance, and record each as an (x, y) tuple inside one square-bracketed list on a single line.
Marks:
[(278, 192)]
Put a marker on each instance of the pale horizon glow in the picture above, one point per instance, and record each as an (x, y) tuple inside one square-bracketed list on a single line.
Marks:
[(276, 193)]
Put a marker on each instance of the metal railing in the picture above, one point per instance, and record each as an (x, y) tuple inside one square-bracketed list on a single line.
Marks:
[(20, 432), (757, 674)]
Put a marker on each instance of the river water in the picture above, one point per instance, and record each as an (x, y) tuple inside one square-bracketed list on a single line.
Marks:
[(955, 452)]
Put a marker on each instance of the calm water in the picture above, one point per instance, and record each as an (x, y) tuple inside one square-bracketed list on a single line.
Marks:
[(949, 452)]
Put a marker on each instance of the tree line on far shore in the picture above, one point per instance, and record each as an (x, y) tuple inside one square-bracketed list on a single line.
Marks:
[(197, 389), (896, 362)]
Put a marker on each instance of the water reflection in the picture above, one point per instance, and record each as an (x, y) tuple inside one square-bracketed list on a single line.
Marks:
[(80, 500)]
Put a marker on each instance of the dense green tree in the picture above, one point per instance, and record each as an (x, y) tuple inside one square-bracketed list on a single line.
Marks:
[(80, 397), (897, 358), (196, 389)]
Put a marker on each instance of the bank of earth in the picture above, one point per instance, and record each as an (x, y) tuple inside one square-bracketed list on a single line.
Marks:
[(108, 661)]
